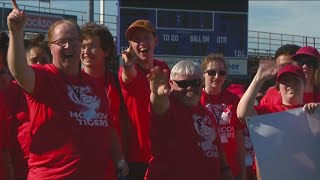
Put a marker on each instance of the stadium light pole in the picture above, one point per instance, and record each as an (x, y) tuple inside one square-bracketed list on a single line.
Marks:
[(91, 11)]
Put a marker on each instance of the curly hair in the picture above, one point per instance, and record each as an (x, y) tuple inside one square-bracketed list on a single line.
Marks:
[(91, 30), (287, 49), (37, 41)]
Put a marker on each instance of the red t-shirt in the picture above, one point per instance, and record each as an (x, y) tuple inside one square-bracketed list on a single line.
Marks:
[(3, 136), (185, 144), (136, 96), (311, 97), (237, 89), (223, 108), (273, 96), (113, 96), (19, 142), (272, 108), (70, 126)]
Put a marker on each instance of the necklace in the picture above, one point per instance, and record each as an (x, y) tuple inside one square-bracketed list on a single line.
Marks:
[(214, 108)]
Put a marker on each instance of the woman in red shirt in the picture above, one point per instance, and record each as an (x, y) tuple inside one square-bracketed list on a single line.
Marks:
[(291, 81)]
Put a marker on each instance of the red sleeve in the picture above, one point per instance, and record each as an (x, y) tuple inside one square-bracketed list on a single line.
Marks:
[(114, 99), (238, 124), (272, 96), (3, 124), (263, 109)]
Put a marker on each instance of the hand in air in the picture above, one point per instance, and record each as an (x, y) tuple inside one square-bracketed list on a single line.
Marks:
[(267, 69), (16, 19), (128, 57), (158, 79)]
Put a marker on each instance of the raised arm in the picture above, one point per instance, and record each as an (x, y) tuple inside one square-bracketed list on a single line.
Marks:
[(129, 72), (17, 59), (160, 90), (267, 70)]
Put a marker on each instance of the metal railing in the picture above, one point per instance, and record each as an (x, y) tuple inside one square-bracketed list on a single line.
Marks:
[(266, 43)]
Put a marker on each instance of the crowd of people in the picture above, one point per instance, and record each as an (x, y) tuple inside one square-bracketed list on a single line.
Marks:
[(64, 114)]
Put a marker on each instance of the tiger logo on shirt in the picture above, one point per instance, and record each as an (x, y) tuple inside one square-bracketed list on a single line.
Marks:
[(204, 127)]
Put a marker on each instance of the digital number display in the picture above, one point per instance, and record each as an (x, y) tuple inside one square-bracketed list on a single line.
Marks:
[(184, 19), (192, 33)]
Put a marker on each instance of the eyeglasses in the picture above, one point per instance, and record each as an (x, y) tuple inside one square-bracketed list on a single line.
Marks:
[(91, 47), (187, 83), (212, 72), (309, 62), (64, 42)]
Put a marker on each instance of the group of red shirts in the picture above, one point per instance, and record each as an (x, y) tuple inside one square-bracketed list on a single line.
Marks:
[(66, 118), (62, 129)]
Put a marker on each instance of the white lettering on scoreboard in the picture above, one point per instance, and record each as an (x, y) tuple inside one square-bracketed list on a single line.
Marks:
[(170, 37), (199, 39)]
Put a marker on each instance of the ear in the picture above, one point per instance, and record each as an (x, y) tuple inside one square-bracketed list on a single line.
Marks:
[(170, 82)]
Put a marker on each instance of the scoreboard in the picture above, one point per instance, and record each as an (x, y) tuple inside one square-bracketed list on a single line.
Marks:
[(192, 29), (192, 33)]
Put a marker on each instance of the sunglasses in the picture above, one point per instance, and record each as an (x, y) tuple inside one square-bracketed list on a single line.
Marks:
[(212, 72), (187, 83), (308, 62)]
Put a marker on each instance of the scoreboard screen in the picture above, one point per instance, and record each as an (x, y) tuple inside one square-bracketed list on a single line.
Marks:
[(191, 32), (208, 5)]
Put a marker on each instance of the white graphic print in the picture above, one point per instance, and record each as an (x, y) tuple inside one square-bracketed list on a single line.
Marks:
[(221, 113), (90, 103), (204, 128)]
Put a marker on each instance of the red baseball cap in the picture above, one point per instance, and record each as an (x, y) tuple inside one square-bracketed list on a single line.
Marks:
[(307, 50), (291, 69), (143, 24)]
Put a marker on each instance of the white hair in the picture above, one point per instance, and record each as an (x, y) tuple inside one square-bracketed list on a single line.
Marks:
[(186, 67)]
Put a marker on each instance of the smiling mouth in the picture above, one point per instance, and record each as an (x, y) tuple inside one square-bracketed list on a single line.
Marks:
[(145, 51)]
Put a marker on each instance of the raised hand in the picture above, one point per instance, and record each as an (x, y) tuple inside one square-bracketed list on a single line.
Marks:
[(158, 79), (128, 57), (16, 19), (267, 69)]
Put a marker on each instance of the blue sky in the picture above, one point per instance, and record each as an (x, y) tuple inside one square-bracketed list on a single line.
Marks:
[(288, 17)]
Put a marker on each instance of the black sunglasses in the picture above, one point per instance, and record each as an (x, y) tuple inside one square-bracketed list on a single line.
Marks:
[(308, 62), (212, 72), (187, 83)]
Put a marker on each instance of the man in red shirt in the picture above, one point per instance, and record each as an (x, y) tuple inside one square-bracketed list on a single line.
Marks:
[(138, 59), (283, 58), (69, 115), (97, 50), (184, 136)]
